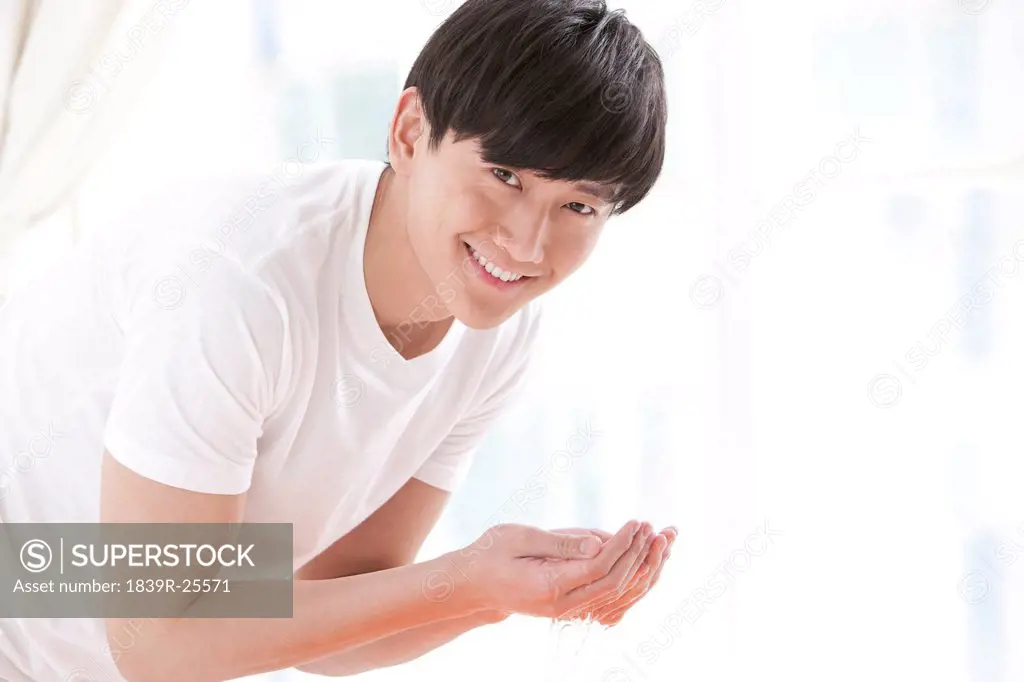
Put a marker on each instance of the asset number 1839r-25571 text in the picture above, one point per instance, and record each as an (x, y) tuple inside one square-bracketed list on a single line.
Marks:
[(171, 585)]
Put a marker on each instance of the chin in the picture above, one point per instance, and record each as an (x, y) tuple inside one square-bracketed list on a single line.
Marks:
[(476, 318)]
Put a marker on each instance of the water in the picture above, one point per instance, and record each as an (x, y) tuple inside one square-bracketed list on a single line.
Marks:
[(571, 637)]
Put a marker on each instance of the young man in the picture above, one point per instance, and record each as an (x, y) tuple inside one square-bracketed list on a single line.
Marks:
[(334, 357)]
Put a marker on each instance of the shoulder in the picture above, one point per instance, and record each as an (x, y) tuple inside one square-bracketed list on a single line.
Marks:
[(264, 233), (244, 216)]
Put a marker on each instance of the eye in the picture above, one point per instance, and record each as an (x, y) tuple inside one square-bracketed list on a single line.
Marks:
[(582, 209), (506, 175)]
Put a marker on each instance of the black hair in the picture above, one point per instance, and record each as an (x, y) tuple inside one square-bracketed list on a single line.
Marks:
[(564, 88)]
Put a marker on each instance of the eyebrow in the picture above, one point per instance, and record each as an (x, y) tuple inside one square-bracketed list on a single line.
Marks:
[(603, 192)]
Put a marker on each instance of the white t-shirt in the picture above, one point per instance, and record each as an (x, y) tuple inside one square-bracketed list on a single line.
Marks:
[(220, 339)]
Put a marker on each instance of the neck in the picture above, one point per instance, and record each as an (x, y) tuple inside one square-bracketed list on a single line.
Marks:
[(395, 282)]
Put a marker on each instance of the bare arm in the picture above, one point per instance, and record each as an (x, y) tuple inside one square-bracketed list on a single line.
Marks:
[(330, 615), (402, 647), (392, 536)]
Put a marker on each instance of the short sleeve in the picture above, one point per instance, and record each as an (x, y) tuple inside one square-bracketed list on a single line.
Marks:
[(448, 465), (197, 380)]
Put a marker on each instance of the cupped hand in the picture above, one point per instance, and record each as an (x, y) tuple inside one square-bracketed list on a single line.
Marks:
[(609, 609), (514, 568)]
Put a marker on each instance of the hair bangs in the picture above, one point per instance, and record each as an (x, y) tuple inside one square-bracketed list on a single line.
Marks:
[(563, 88)]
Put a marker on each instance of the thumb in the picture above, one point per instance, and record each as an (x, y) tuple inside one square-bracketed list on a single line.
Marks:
[(538, 543), (561, 546)]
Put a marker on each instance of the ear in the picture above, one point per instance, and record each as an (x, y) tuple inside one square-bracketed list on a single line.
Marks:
[(409, 128)]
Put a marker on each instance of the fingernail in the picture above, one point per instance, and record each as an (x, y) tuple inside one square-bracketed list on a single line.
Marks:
[(590, 546)]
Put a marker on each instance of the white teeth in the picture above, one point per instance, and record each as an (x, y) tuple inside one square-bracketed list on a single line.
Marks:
[(494, 270)]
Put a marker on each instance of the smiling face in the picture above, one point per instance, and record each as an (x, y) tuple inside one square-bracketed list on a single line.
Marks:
[(496, 236), (507, 108)]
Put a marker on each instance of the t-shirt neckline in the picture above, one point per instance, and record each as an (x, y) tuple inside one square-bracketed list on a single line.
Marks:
[(377, 355)]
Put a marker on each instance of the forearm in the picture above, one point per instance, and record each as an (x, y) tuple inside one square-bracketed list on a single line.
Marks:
[(402, 647), (329, 617)]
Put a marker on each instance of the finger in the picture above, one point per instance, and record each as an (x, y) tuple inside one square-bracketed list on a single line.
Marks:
[(655, 556), (663, 552), (646, 532), (647, 568), (603, 534), (612, 601), (668, 550), (642, 580), (601, 602), (536, 542), (649, 554), (579, 573), (649, 537), (639, 586), (602, 606), (594, 601), (579, 601), (670, 537), (614, 614), (657, 572), (641, 573), (616, 577)]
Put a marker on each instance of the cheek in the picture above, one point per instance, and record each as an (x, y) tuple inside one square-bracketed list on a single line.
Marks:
[(571, 249), (423, 207), (485, 204), (470, 212)]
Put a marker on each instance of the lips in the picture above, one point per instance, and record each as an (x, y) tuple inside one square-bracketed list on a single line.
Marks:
[(493, 274), (493, 269)]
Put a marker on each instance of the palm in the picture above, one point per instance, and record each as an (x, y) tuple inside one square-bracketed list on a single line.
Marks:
[(545, 573), (610, 611)]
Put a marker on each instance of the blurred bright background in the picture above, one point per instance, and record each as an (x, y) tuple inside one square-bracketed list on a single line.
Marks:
[(799, 349)]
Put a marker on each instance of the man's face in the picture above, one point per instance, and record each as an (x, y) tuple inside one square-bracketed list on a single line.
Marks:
[(492, 238)]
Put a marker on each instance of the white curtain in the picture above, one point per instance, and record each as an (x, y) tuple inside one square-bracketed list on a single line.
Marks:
[(69, 73)]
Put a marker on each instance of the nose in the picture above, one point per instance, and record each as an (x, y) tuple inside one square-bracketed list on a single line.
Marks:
[(523, 239)]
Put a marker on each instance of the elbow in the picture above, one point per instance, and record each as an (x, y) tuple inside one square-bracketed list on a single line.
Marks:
[(138, 658), (125, 654), (138, 667), (130, 674), (312, 670), (325, 671), (133, 669), (346, 665)]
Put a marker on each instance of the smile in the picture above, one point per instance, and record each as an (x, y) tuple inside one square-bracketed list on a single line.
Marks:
[(493, 273)]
